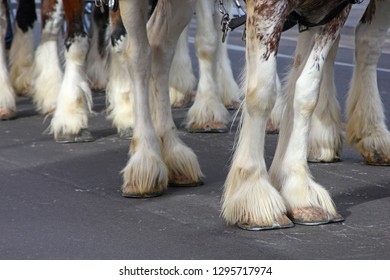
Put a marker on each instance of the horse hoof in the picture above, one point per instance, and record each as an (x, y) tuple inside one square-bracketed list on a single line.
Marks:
[(210, 127), (83, 136), (131, 191), (377, 158), (185, 184), (282, 222), (125, 134), (140, 195), (7, 114), (312, 216)]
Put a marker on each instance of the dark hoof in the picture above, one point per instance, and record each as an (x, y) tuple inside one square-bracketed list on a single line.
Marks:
[(275, 131), (83, 136), (126, 134), (312, 216), (141, 195), (282, 222), (271, 128), (185, 185)]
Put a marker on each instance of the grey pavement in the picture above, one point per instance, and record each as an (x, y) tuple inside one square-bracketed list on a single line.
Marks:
[(63, 201)]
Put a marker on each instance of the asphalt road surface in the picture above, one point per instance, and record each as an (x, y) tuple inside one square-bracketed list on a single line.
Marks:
[(63, 201)]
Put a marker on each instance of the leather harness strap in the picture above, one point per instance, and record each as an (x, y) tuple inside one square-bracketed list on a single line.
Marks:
[(295, 18)]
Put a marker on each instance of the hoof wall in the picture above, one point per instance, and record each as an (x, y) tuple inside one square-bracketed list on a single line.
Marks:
[(378, 159), (313, 217), (7, 114), (282, 222), (141, 195), (83, 136), (185, 185)]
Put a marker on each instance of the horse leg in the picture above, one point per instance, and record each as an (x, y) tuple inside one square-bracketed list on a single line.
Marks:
[(97, 57), (275, 118), (7, 94), (119, 92), (22, 48), (307, 202), (182, 80), (74, 102), (249, 199), (228, 86), (47, 67), (145, 174), (366, 127), (164, 29), (208, 112), (325, 139)]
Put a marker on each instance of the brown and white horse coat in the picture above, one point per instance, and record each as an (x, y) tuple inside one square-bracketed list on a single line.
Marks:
[(62, 90), (74, 100), (252, 199)]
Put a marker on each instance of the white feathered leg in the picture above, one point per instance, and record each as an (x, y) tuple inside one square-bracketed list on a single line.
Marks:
[(307, 202), (249, 199), (225, 80), (182, 80), (325, 139), (208, 112), (21, 61), (119, 92), (97, 57), (164, 29), (145, 174), (47, 67), (366, 127), (74, 103), (7, 94)]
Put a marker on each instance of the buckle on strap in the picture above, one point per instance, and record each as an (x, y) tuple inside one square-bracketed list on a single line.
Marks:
[(112, 4)]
